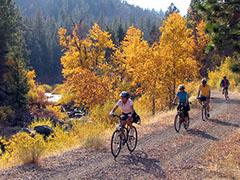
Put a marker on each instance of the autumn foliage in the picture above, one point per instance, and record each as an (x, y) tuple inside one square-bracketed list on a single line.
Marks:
[(92, 77), (85, 68)]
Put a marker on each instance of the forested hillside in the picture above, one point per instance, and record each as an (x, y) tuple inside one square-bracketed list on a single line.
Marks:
[(44, 17)]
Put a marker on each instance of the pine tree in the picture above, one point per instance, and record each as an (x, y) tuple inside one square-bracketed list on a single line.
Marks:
[(171, 9), (13, 84), (223, 24)]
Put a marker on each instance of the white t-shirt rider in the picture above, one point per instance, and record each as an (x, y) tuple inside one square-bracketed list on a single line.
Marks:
[(127, 107)]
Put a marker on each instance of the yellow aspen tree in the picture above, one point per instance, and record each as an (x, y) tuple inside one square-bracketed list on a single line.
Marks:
[(141, 63), (36, 93), (202, 40), (85, 68), (177, 47)]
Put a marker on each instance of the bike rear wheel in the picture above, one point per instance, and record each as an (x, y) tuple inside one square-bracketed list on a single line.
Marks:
[(132, 139), (177, 123), (116, 144), (204, 111), (225, 94), (186, 123)]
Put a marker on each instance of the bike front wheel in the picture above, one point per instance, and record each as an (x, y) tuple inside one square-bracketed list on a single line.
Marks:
[(177, 123), (116, 144), (132, 139)]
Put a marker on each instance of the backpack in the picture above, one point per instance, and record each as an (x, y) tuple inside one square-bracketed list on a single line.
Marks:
[(136, 118)]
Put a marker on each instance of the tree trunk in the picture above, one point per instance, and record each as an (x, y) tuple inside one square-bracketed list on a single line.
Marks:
[(153, 105)]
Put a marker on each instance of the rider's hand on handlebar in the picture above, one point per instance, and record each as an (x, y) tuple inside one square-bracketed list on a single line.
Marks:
[(111, 113)]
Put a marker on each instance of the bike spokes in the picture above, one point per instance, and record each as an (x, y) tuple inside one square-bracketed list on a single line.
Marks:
[(116, 143), (177, 123)]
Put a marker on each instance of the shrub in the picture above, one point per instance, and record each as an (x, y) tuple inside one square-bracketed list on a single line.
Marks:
[(25, 149)]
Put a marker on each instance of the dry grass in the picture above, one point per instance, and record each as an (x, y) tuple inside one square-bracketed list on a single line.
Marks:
[(24, 149)]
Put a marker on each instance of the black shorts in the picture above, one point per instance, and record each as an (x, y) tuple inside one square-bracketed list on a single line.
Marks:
[(135, 117), (125, 116), (203, 98)]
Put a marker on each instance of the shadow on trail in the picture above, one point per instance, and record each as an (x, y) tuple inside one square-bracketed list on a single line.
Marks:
[(224, 123), (201, 134), (139, 161)]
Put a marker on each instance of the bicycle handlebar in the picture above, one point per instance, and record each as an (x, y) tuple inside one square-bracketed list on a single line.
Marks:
[(115, 115)]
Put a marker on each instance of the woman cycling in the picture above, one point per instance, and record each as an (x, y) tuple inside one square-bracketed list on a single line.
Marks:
[(183, 101), (126, 105)]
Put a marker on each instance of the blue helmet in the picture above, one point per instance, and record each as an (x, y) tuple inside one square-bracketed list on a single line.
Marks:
[(124, 94)]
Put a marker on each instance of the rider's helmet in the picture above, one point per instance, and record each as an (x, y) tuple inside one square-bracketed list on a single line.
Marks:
[(204, 81), (224, 77), (124, 94), (181, 87)]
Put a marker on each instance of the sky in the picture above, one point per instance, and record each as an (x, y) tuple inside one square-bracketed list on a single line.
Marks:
[(182, 5)]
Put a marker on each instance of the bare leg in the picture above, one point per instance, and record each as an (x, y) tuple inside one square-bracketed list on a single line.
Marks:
[(129, 122)]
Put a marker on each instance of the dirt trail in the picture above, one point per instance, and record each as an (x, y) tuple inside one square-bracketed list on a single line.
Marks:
[(162, 154)]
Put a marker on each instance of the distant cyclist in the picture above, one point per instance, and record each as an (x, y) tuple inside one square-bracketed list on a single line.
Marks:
[(204, 94), (225, 85), (182, 97), (126, 105)]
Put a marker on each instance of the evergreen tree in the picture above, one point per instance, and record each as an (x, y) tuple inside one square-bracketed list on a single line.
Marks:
[(171, 9), (13, 84), (223, 23), (120, 34)]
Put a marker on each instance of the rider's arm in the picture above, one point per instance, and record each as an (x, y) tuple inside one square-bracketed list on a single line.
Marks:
[(198, 94), (187, 101), (174, 100), (113, 110), (221, 84)]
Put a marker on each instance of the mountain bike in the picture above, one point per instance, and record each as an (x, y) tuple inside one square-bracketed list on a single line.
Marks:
[(204, 110), (181, 118), (121, 136)]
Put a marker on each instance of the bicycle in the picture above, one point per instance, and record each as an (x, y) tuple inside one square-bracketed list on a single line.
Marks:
[(121, 136), (225, 93), (181, 119), (204, 110)]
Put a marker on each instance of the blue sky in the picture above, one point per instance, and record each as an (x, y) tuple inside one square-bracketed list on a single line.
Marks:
[(182, 5)]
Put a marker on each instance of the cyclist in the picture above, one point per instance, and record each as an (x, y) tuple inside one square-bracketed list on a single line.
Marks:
[(204, 94), (126, 105), (183, 100), (225, 85)]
